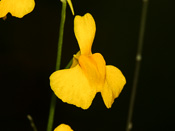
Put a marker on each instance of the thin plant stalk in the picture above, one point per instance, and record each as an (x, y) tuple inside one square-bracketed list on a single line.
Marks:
[(32, 122), (58, 63), (138, 63)]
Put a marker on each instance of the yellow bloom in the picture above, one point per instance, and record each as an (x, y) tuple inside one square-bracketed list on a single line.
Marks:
[(88, 73), (17, 8), (63, 127)]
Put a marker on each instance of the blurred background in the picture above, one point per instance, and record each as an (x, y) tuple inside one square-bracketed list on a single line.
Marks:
[(28, 48)]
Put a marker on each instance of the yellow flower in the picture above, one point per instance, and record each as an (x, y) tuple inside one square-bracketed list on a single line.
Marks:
[(63, 127), (88, 73), (17, 8)]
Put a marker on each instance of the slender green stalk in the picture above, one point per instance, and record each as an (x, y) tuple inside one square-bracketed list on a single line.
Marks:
[(51, 112), (60, 39), (69, 64), (138, 62), (32, 122), (58, 63)]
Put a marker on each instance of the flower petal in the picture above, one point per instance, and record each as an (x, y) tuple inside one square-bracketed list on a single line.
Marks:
[(114, 84), (63, 127), (94, 67), (85, 28), (72, 86), (17, 8)]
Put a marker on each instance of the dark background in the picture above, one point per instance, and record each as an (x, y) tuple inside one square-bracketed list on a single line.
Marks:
[(28, 49)]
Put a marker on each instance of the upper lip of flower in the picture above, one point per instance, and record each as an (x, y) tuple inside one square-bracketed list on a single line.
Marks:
[(85, 29)]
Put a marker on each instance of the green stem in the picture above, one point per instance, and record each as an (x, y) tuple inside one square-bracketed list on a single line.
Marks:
[(32, 122), (60, 39), (138, 62), (69, 64), (58, 63)]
